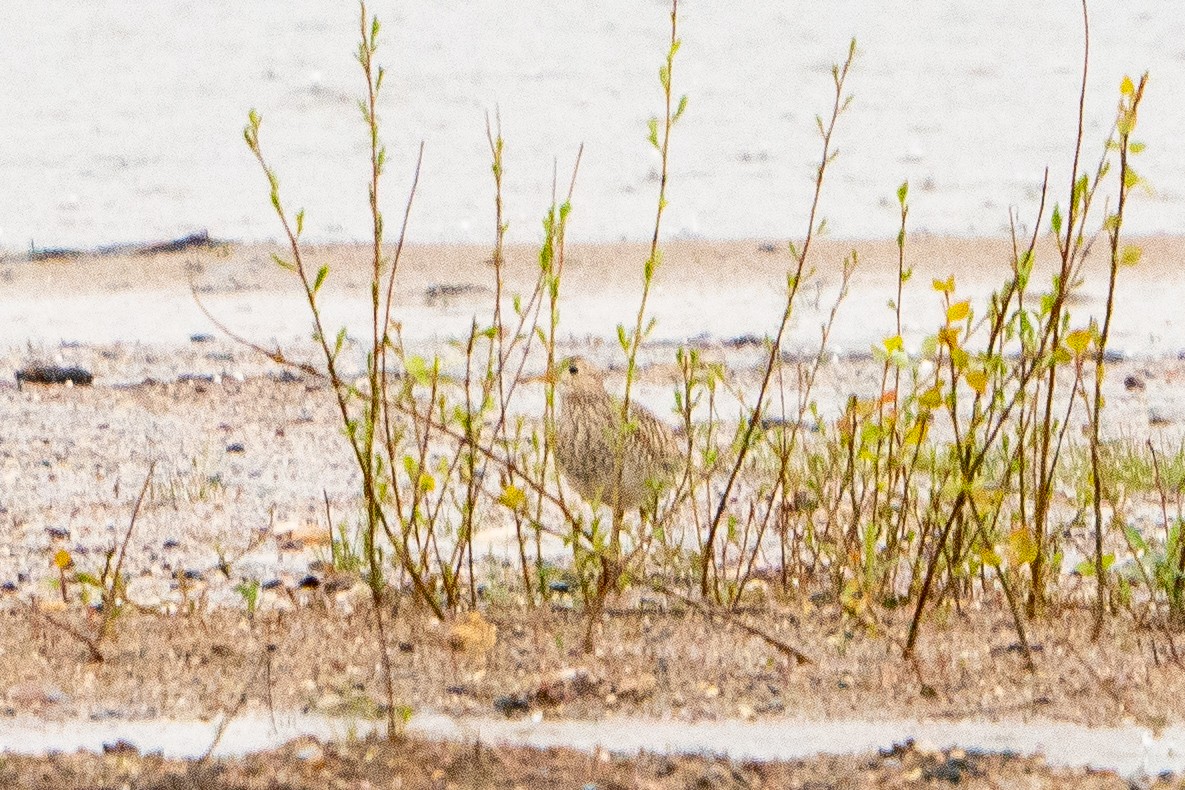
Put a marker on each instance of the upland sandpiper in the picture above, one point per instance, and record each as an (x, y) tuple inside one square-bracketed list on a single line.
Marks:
[(594, 446)]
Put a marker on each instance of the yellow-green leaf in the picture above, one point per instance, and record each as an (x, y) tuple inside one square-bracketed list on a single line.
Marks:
[(931, 398), (988, 556), (977, 380), (894, 343), (513, 497), (917, 433), (1078, 340), (945, 286), (958, 311), (1127, 87), (1022, 546), (427, 482), (1131, 255)]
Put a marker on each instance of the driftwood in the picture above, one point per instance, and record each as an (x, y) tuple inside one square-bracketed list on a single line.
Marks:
[(200, 239), (53, 374)]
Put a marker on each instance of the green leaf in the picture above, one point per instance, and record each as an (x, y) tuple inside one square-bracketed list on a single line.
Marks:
[(679, 110), (283, 264), (417, 369), (1081, 186), (322, 273), (902, 193), (1056, 221)]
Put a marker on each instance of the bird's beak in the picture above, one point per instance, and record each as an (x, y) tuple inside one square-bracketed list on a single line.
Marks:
[(549, 377)]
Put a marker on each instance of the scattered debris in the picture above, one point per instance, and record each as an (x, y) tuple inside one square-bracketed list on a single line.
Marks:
[(566, 685), (440, 294), (201, 239), (472, 634)]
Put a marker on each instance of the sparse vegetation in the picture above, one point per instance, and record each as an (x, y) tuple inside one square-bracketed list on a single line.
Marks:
[(978, 474), (939, 490)]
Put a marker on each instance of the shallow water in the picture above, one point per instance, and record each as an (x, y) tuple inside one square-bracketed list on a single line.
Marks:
[(1128, 749), (122, 122)]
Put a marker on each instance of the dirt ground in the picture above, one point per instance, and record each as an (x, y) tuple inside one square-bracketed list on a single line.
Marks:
[(648, 664), (247, 456), (413, 764)]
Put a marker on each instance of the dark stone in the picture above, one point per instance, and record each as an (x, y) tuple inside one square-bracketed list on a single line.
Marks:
[(510, 704), (1111, 355), (120, 747)]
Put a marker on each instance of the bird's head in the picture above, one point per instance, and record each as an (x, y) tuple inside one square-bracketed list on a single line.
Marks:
[(576, 376)]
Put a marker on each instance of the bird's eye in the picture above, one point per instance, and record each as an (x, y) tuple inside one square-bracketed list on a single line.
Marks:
[(573, 369)]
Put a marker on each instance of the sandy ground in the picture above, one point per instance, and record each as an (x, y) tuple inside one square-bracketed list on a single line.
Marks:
[(246, 455), (710, 292)]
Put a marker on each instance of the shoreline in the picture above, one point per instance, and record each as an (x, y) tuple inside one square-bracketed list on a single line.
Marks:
[(715, 291)]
